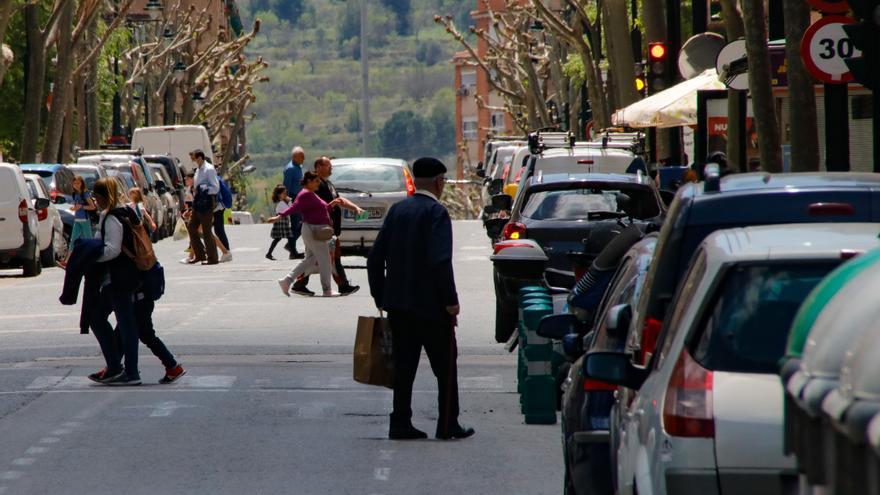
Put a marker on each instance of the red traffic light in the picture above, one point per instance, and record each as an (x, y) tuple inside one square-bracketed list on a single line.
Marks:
[(656, 51)]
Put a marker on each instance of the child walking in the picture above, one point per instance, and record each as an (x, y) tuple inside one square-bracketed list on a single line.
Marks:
[(280, 229), (137, 204), (83, 207)]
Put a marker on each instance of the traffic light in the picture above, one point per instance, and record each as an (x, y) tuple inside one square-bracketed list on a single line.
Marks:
[(658, 67), (865, 36), (641, 82)]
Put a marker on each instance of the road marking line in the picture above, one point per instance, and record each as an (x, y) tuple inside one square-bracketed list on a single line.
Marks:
[(3, 489), (209, 381), (36, 450), (382, 473), (50, 440), (60, 431), (72, 424), (23, 461), (386, 455), (39, 315), (315, 410), (10, 475)]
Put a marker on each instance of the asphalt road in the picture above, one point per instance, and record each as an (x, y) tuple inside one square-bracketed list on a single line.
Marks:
[(268, 404)]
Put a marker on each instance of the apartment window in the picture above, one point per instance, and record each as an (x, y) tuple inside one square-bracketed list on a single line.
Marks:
[(469, 129), (469, 79), (498, 122)]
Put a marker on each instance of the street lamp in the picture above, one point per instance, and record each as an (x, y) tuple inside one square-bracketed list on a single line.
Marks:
[(168, 34), (198, 100), (179, 72), (154, 9)]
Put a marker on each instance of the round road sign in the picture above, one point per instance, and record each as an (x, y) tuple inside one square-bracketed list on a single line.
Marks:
[(830, 6), (824, 48)]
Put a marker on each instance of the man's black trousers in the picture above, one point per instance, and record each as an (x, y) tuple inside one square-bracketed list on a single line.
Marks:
[(410, 332)]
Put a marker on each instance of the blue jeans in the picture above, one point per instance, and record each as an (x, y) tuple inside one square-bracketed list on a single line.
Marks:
[(122, 305), (296, 231)]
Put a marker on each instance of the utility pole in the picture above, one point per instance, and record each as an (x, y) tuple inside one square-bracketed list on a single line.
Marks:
[(365, 83)]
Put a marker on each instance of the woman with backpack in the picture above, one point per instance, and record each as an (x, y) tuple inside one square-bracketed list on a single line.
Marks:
[(120, 280)]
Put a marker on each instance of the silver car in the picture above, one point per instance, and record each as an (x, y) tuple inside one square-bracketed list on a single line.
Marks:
[(374, 184)]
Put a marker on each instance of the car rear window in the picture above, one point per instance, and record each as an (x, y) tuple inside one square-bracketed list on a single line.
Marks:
[(575, 204), (746, 327), (90, 176), (369, 177)]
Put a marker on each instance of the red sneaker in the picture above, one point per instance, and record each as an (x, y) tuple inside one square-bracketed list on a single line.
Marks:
[(98, 376), (172, 375)]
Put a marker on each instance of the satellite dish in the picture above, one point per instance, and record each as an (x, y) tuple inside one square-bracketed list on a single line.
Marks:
[(698, 54)]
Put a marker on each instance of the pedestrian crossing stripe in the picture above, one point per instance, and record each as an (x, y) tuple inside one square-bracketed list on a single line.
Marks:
[(74, 382)]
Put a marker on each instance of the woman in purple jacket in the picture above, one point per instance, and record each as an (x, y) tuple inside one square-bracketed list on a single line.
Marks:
[(315, 215)]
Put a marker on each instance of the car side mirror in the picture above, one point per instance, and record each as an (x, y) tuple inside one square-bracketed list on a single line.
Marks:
[(618, 319), (161, 188), (60, 200), (495, 226), (667, 196), (615, 368), (481, 171), (41, 203), (502, 202), (495, 186), (557, 326)]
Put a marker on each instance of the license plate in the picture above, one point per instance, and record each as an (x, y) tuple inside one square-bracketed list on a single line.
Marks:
[(375, 213)]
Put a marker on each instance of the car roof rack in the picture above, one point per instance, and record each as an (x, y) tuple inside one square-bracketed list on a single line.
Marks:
[(540, 141), (109, 150)]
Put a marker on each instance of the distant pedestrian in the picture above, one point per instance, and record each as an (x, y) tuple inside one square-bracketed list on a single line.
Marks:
[(83, 209), (136, 198), (116, 294), (205, 190), (223, 197), (293, 174), (316, 219), (411, 277), (281, 228), (327, 192)]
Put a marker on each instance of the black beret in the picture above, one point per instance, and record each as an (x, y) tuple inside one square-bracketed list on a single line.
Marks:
[(428, 167)]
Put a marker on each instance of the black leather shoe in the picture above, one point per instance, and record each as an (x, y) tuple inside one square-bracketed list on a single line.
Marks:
[(406, 433), (454, 433)]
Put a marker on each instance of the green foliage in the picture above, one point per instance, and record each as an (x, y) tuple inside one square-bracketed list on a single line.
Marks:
[(402, 9), (574, 68), (289, 10)]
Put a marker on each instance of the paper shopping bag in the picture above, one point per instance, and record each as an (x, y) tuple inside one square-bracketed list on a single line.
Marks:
[(372, 352), (180, 232)]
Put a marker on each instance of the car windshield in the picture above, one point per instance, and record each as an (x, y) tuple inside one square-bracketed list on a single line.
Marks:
[(89, 175), (575, 204), (369, 177), (747, 326)]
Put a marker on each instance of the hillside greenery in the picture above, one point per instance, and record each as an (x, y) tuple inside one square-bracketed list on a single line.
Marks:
[(313, 96)]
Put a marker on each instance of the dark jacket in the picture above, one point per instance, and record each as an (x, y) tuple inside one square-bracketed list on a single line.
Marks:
[(124, 274), (410, 264), (327, 192), (82, 265)]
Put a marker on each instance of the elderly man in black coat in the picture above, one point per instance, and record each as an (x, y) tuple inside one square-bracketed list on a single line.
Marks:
[(410, 275)]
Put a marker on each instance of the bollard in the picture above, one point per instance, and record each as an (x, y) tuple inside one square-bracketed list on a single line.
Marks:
[(529, 295), (539, 392)]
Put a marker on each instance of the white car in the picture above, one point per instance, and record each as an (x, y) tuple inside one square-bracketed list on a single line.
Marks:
[(19, 227), (374, 184), (708, 416), (53, 246)]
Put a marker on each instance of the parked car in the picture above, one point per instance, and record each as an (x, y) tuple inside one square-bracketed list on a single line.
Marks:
[(19, 226), (176, 141), (374, 184), (175, 173), (169, 201), (586, 403), (140, 173), (57, 178), (708, 415), (560, 212), (53, 245), (821, 336), (497, 166)]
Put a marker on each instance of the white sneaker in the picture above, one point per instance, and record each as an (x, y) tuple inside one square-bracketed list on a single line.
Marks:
[(330, 293), (184, 261), (284, 283), (226, 257)]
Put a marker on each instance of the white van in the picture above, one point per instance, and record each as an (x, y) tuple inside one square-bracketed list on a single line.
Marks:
[(19, 227), (176, 141)]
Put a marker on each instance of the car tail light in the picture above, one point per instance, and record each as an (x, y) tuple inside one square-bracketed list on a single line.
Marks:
[(687, 409), (514, 231), (579, 270), (831, 210), (650, 334), (591, 385), (22, 211), (501, 246), (42, 214), (585, 162), (53, 194), (410, 186)]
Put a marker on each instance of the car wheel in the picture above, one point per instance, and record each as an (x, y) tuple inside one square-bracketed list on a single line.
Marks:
[(47, 256), (505, 321), (32, 267)]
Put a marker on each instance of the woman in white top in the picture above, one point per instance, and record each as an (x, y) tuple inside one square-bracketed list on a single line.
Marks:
[(116, 295)]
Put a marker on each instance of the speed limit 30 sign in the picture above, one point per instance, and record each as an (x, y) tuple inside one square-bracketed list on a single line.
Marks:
[(824, 48)]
